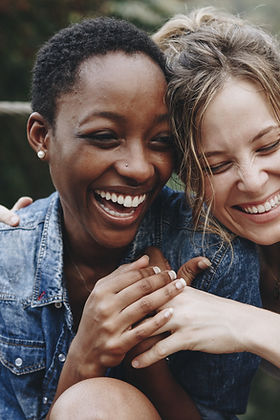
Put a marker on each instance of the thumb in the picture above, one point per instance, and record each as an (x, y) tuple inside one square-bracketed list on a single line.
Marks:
[(157, 258), (190, 269)]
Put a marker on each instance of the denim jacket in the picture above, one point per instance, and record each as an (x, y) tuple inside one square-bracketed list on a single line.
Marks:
[(36, 321)]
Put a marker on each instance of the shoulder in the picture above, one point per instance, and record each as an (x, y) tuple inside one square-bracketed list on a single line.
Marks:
[(21, 246), (173, 208)]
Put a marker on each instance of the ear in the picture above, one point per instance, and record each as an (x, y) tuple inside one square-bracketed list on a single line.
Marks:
[(39, 133)]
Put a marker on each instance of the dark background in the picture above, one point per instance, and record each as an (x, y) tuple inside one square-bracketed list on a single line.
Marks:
[(24, 26)]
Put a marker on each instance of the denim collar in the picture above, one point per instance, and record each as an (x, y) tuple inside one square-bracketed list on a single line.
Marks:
[(48, 284)]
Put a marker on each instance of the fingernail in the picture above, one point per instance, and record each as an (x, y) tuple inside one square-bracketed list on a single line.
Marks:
[(168, 312), (172, 274), (14, 220), (180, 284), (156, 269), (204, 263), (135, 363)]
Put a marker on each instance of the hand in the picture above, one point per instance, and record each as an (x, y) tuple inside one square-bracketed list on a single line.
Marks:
[(201, 322), (188, 271), (110, 327), (8, 216)]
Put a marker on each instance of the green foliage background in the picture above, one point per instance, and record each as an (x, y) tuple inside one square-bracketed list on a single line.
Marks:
[(25, 25)]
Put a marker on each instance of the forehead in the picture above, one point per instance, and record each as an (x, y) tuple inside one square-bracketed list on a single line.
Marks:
[(240, 109), (116, 82), (118, 67)]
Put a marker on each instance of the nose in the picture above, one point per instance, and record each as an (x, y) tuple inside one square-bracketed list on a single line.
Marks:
[(136, 165), (252, 178)]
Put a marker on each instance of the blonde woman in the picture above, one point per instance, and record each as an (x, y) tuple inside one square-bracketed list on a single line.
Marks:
[(224, 99)]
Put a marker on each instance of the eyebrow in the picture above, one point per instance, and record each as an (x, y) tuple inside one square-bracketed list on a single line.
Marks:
[(118, 117), (259, 135)]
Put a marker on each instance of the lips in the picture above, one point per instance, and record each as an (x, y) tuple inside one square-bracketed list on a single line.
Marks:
[(263, 207), (119, 205)]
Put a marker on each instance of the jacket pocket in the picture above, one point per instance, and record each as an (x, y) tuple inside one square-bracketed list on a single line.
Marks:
[(22, 373), (22, 356)]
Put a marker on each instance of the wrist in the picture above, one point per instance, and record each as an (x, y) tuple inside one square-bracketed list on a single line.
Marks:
[(83, 367)]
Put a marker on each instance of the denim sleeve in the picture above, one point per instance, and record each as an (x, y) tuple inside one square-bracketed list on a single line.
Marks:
[(221, 382)]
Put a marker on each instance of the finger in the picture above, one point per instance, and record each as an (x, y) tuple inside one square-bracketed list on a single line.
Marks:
[(158, 351), (157, 258), (149, 283), (116, 282), (147, 328), (192, 268), (147, 304), (22, 202), (8, 217), (142, 262), (122, 280)]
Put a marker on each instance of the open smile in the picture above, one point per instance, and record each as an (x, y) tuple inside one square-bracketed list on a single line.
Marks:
[(264, 207), (119, 205)]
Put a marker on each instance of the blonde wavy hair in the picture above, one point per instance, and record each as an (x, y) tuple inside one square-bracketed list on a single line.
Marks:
[(203, 49)]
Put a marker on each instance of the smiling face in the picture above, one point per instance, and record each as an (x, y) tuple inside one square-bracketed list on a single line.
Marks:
[(241, 139), (110, 153)]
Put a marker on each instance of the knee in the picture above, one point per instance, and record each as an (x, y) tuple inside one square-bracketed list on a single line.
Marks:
[(103, 399)]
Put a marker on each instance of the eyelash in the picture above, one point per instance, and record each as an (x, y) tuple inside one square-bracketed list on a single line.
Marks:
[(222, 167), (270, 147), (108, 140)]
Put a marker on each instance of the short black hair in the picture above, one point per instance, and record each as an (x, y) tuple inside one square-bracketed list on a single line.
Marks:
[(59, 59)]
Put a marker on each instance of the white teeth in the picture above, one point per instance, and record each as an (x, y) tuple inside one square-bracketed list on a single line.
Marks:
[(136, 201), (127, 201), (115, 213), (120, 199), (262, 208), (267, 206)]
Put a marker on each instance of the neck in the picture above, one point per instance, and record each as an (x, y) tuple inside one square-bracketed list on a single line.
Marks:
[(87, 253)]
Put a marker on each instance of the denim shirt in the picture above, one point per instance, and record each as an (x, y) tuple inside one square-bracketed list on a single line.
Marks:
[(36, 321)]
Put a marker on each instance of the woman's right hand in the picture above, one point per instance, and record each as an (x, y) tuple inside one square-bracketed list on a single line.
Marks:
[(111, 322), (110, 327), (9, 216)]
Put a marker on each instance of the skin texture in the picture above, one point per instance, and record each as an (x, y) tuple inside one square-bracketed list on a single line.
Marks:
[(111, 132), (244, 158)]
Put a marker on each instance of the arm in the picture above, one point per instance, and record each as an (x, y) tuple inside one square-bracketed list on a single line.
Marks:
[(109, 325), (197, 324), (158, 384), (202, 373), (9, 216)]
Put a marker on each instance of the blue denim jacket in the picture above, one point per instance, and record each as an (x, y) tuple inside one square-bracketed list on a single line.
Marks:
[(36, 321)]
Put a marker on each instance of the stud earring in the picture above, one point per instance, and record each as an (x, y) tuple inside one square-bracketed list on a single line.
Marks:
[(41, 154), (126, 165)]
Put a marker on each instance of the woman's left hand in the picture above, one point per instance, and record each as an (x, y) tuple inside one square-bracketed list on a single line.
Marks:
[(201, 322)]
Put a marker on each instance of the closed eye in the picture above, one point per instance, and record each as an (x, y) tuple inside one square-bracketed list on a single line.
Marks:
[(270, 147), (218, 168), (104, 140), (162, 142)]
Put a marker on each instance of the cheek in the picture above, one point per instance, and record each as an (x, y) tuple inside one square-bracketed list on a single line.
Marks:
[(164, 165)]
